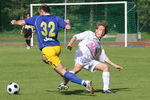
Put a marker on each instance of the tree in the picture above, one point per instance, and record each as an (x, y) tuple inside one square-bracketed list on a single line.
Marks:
[(14, 9), (143, 11)]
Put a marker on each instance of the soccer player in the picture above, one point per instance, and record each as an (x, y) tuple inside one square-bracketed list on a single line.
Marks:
[(91, 55), (27, 30), (47, 31)]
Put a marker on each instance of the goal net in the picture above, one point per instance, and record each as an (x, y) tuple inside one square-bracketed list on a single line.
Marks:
[(120, 17)]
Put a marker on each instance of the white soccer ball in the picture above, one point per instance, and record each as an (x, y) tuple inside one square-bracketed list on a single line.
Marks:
[(13, 88)]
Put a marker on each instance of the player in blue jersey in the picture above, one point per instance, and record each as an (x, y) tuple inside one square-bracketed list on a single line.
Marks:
[(47, 31)]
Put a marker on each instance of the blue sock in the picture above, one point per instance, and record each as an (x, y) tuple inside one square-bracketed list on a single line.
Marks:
[(74, 78)]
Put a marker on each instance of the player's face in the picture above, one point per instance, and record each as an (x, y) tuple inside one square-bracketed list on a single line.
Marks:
[(40, 11), (100, 31), (28, 16)]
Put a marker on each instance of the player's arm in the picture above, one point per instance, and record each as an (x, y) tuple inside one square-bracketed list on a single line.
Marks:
[(68, 26), (103, 58), (19, 22), (114, 65), (79, 36), (72, 40)]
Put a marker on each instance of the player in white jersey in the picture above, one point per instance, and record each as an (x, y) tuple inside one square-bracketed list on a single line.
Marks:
[(91, 55)]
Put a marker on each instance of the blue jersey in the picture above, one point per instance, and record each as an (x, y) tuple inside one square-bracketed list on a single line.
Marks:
[(47, 29)]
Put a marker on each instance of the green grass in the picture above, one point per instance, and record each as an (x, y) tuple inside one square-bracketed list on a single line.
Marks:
[(39, 82)]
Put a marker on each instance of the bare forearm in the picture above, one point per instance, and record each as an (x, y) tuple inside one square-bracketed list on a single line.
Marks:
[(69, 46), (73, 39), (114, 65), (19, 22), (111, 63)]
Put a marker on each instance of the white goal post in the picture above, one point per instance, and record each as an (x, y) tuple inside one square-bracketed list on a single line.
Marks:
[(87, 3)]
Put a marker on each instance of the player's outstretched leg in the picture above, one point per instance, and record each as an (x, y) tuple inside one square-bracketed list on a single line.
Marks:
[(74, 78)]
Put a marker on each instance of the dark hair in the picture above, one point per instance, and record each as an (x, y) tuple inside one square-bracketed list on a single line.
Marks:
[(45, 8), (25, 15), (103, 24)]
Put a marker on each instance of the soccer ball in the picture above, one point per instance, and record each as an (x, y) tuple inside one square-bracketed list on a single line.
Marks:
[(13, 88)]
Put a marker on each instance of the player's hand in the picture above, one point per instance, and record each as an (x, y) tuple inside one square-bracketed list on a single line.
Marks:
[(67, 21), (13, 21), (69, 47), (119, 68)]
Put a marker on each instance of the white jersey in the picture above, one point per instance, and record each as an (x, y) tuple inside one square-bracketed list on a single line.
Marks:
[(90, 52), (90, 46)]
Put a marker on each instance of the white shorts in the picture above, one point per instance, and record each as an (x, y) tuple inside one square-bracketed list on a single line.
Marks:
[(87, 63)]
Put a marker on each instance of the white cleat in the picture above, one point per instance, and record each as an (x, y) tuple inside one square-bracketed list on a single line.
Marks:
[(28, 47), (62, 87), (89, 87)]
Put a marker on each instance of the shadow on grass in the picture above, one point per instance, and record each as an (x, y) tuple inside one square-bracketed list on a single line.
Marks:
[(115, 90), (73, 92), (84, 92)]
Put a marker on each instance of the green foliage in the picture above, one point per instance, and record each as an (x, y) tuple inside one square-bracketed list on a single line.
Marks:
[(145, 36), (143, 11), (15, 9)]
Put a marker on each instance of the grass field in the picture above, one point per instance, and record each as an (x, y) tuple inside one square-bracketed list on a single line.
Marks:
[(39, 82)]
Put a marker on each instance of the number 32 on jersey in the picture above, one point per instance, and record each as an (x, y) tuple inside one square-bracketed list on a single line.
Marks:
[(45, 26)]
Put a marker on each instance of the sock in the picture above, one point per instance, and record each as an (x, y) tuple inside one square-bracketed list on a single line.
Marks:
[(71, 72), (106, 78), (65, 81), (28, 42), (74, 78)]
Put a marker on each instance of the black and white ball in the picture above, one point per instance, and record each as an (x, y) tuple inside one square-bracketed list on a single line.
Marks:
[(13, 88)]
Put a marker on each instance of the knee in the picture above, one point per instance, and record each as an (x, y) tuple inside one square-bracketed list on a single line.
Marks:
[(105, 68), (44, 59), (76, 69), (102, 67)]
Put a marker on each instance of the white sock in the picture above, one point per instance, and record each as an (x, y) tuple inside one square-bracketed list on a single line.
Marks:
[(106, 78), (72, 72), (83, 82)]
